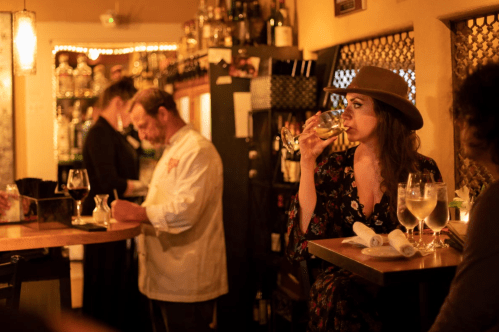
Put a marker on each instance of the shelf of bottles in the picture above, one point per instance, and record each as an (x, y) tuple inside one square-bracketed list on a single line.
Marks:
[(80, 76)]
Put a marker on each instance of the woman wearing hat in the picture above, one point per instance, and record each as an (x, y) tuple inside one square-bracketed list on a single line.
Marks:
[(359, 184)]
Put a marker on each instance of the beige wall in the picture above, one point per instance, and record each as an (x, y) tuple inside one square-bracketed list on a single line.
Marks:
[(35, 149), (319, 28)]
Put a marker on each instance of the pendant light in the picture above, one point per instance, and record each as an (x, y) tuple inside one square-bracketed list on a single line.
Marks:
[(24, 30)]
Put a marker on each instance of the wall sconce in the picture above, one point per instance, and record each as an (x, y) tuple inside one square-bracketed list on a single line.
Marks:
[(24, 31)]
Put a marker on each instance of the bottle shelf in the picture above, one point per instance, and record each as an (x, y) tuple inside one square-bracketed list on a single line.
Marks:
[(77, 98)]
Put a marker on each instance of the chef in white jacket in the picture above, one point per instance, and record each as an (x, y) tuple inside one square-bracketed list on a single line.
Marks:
[(182, 256)]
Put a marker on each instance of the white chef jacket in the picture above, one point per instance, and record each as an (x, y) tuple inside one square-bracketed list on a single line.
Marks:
[(182, 255)]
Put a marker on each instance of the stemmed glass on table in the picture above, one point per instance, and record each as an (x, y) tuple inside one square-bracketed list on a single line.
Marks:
[(329, 125), (405, 217), (439, 217), (421, 199), (78, 187)]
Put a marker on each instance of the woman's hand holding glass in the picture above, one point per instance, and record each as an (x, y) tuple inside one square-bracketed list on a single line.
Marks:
[(421, 199), (311, 144)]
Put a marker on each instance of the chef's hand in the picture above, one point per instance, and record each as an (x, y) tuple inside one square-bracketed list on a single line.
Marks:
[(127, 211)]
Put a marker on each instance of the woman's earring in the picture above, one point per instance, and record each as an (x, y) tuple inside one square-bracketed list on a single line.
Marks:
[(119, 122)]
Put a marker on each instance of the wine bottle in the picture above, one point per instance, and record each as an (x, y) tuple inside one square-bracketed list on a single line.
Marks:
[(271, 22), (75, 131), (283, 30)]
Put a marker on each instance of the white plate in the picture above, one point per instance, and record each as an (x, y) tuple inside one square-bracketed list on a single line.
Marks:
[(384, 252)]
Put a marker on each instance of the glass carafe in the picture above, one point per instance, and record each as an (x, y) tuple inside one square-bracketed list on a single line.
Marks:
[(102, 212)]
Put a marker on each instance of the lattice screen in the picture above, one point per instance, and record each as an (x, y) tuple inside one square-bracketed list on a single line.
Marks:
[(394, 52), (475, 42)]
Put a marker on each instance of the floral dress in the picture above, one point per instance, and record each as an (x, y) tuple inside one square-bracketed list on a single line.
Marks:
[(339, 302)]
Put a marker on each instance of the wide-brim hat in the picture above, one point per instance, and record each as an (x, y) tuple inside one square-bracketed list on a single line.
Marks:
[(386, 86)]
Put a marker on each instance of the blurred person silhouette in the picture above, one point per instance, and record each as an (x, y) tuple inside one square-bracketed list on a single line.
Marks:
[(473, 301)]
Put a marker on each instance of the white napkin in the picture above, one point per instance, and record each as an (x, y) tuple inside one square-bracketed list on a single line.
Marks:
[(367, 235), (398, 240)]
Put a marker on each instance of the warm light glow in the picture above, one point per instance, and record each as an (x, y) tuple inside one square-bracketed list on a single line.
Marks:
[(94, 53), (24, 31), (205, 115)]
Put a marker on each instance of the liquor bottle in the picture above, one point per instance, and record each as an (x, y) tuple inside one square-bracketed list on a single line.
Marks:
[(64, 78), (75, 131), (237, 12), (63, 145), (201, 17), (283, 31), (219, 28), (276, 146), (191, 41), (88, 123), (208, 29), (83, 77), (100, 81), (244, 26), (256, 23), (271, 23)]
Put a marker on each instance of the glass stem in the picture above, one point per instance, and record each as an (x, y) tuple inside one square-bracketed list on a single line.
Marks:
[(421, 226), (78, 209), (436, 237), (410, 234)]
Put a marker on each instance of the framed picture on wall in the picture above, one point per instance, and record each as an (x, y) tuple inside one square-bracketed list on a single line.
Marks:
[(348, 6)]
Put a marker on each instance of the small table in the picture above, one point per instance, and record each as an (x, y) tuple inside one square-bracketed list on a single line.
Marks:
[(428, 277), (22, 236), (440, 264)]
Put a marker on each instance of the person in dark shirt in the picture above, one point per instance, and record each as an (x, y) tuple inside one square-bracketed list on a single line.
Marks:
[(473, 300), (110, 292), (359, 184)]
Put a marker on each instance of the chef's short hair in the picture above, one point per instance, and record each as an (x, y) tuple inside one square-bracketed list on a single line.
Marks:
[(153, 98)]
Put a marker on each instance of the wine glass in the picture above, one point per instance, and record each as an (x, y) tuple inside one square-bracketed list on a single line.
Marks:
[(78, 187), (405, 217), (421, 199), (439, 217), (329, 125)]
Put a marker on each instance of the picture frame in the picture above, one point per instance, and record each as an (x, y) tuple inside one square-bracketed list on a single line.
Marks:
[(342, 7)]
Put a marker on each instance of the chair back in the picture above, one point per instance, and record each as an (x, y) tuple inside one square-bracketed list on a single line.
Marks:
[(10, 282)]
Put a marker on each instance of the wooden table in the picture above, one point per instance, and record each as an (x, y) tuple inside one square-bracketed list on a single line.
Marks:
[(440, 264), (25, 236), (416, 284), (55, 265)]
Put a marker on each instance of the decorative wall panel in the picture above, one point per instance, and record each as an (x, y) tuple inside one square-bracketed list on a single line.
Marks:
[(6, 102), (475, 42), (394, 52)]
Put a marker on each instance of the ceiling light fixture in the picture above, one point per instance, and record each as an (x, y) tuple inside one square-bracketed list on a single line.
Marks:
[(24, 31)]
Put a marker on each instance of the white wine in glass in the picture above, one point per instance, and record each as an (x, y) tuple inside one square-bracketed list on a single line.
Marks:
[(421, 199), (329, 125), (405, 217), (439, 217)]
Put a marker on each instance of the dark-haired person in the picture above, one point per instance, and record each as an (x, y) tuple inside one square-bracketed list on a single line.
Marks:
[(473, 300), (182, 258), (359, 184), (111, 163)]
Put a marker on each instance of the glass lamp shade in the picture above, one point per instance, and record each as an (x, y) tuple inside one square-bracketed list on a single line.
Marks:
[(24, 31)]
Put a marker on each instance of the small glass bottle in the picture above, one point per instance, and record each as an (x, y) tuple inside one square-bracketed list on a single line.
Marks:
[(100, 81), (64, 78), (75, 131), (83, 77), (63, 144), (102, 212)]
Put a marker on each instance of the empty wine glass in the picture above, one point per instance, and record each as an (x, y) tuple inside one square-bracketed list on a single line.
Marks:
[(78, 187), (329, 125), (439, 217), (421, 199), (405, 217)]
